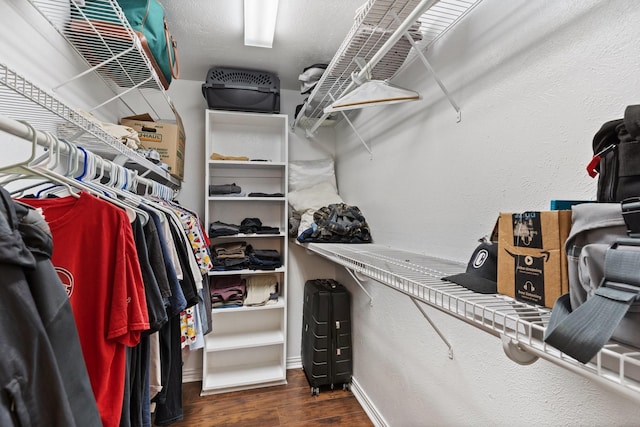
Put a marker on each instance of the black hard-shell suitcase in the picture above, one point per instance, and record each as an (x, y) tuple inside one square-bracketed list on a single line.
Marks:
[(326, 334), (238, 89)]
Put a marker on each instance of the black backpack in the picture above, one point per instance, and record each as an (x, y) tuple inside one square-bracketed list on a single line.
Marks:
[(616, 148)]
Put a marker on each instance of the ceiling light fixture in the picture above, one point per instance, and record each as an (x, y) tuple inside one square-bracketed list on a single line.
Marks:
[(260, 22)]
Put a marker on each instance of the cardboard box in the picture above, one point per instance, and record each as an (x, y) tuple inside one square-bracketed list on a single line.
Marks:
[(532, 262), (168, 139)]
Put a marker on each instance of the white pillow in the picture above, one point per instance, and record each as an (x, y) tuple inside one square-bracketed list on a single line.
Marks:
[(306, 220), (315, 197), (307, 173)]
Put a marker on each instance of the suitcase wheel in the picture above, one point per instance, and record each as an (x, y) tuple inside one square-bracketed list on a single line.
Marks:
[(315, 391), (346, 386)]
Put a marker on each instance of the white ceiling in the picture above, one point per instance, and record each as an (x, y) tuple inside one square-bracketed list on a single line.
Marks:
[(210, 33)]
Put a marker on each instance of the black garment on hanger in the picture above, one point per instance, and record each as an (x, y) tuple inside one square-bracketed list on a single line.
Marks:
[(137, 367), (34, 392), (177, 301), (156, 257), (155, 303), (169, 400)]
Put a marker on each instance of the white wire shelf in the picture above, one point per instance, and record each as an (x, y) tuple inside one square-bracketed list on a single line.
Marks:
[(99, 32), (376, 39), (521, 326), (22, 100)]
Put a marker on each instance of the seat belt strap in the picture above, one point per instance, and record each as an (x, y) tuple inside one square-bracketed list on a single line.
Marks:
[(581, 333)]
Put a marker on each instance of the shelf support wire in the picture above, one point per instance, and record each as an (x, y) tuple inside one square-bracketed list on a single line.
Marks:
[(353, 128), (118, 96), (93, 69), (430, 68), (433, 325), (359, 282)]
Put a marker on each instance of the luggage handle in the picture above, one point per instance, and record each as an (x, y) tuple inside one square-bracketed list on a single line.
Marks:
[(263, 89), (625, 242), (172, 46)]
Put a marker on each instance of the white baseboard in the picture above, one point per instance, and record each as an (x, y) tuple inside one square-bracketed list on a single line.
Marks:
[(294, 362), (368, 406), (191, 375)]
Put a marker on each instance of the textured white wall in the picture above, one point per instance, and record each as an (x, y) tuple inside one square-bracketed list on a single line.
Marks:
[(535, 80)]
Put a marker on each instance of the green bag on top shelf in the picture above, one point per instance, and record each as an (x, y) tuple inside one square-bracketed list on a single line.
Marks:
[(99, 34)]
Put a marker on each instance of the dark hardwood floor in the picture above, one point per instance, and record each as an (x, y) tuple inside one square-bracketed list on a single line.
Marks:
[(288, 405)]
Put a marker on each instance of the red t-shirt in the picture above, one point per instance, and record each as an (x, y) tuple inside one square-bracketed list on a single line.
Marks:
[(95, 256)]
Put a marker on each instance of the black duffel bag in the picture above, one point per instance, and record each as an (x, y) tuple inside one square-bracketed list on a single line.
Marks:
[(616, 148)]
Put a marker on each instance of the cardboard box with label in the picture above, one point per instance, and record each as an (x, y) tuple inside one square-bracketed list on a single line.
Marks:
[(532, 263), (168, 139)]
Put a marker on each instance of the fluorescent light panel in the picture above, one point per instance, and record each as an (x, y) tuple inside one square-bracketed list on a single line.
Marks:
[(260, 22)]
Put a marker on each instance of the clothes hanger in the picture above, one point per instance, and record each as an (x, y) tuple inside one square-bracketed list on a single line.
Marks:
[(18, 167), (99, 190), (81, 185), (126, 196), (25, 168), (54, 189), (125, 193), (53, 154)]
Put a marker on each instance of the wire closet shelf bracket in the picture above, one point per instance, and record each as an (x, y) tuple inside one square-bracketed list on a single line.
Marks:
[(100, 33), (386, 37)]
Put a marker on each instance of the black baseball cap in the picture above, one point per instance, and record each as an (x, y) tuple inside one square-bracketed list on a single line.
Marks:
[(482, 271)]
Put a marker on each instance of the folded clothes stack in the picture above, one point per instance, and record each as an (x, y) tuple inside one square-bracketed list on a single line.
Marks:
[(254, 225), (227, 291), (225, 190), (261, 290), (247, 226), (239, 256)]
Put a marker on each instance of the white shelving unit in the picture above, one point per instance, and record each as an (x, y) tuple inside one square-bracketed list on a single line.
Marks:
[(247, 347), (520, 326)]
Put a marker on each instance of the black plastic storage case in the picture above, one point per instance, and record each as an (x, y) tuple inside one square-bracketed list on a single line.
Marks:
[(326, 334), (238, 89)]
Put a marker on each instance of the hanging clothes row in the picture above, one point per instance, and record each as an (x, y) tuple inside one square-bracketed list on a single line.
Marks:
[(129, 262)]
